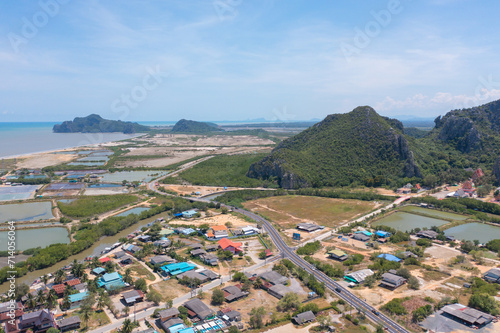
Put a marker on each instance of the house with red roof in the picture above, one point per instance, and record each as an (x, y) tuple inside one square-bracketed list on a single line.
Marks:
[(105, 259), (228, 245)]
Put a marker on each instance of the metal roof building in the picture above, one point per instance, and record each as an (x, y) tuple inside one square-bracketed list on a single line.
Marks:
[(304, 317), (358, 276), (178, 268), (389, 257), (467, 315)]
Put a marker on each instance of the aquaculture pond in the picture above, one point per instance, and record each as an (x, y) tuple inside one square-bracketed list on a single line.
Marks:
[(136, 210), (434, 213), (30, 211), (29, 238), (101, 185), (403, 221), (471, 231), (8, 193), (132, 176)]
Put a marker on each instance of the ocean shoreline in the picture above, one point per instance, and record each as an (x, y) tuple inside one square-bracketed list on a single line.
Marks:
[(25, 155)]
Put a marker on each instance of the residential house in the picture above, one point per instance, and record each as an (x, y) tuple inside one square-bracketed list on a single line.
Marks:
[(177, 268), (228, 245), (392, 281), (358, 276), (209, 274), (111, 281), (132, 297), (132, 249), (466, 315), (195, 246), (70, 323), (304, 317), (5, 310), (168, 314), (98, 271), (493, 275), (163, 243), (59, 289), (198, 252), (233, 293), (126, 261), (144, 238), (119, 254), (211, 247), (338, 255), (250, 230), (361, 237), (173, 325), (193, 275), (383, 234), (161, 259), (73, 282), (104, 260), (189, 213), (38, 321), (210, 259), (82, 287), (217, 232), (274, 278), (76, 300), (196, 308), (430, 234), (279, 291)]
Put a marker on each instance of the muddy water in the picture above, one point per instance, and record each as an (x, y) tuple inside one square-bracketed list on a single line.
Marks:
[(471, 231), (30, 238), (406, 221), (29, 211)]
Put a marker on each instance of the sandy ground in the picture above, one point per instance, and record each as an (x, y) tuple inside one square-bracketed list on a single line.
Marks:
[(220, 219), (202, 140), (291, 328), (189, 189), (41, 160), (176, 155)]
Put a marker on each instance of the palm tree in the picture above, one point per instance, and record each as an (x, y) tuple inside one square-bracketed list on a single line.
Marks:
[(45, 278), (65, 302), (95, 262), (31, 301), (101, 302), (59, 277), (126, 310), (51, 298), (77, 269), (86, 314), (40, 298), (84, 277), (128, 326)]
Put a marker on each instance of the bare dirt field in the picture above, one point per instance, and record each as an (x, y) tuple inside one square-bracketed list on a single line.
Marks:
[(204, 140), (41, 160), (189, 189), (175, 155), (170, 288), (288, 211)]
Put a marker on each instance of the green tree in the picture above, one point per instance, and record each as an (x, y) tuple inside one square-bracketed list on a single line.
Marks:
[(484, 302), (51, 299), (217, 297), (413, 283), (256, 315), (154, 296), (141, 285), (127, 327), (288, 302)]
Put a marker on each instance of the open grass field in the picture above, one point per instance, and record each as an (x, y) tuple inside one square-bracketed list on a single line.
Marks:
[(95, 205), (170, 289), (290, 210), (140, 271), (97, 318)]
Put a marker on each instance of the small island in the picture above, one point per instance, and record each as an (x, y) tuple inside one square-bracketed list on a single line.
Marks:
[(96, 124), (191, 126)]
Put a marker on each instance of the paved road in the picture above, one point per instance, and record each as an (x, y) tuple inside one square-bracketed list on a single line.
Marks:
[(340, 291), (287, 252)]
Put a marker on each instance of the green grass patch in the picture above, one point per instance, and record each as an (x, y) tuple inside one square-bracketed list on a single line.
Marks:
[(90, 206), (225, 170), (142, 272)]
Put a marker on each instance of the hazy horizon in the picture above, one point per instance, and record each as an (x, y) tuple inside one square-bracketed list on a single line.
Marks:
[(235, 59)]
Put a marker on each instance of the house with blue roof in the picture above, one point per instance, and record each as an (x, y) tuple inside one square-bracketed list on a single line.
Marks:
[(389, 257), (111, 281), (186, 330), (189, 213), (177, 268), (76, 300), (383, 234), (98, 271)]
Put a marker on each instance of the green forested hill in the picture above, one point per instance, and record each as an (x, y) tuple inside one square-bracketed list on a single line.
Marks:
[(191, 126), (359, 146), (96, 124)]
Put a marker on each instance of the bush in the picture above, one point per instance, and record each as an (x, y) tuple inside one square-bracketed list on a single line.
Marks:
[(89, 206), (309, 248), (395, 307)]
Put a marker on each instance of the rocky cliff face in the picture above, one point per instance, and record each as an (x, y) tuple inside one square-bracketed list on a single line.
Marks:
[(462, 132), (339, 150)]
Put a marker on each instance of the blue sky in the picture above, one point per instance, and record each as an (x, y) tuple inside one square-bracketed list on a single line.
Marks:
[(280, 60)]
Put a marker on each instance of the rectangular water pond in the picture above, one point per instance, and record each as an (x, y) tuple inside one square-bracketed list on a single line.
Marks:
[(29, 238), (471, 231), (30, 211), (8, 193), (406, 221), (132, 176), (434, 213), (136, 210)]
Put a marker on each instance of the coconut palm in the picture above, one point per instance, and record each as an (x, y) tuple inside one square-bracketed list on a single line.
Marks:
[(40, 298), (128, 326), (31, 301), (45, 278), (65, 302), (59, 277), (126, 310), (51, 298), (77, 269), (101, 301)]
